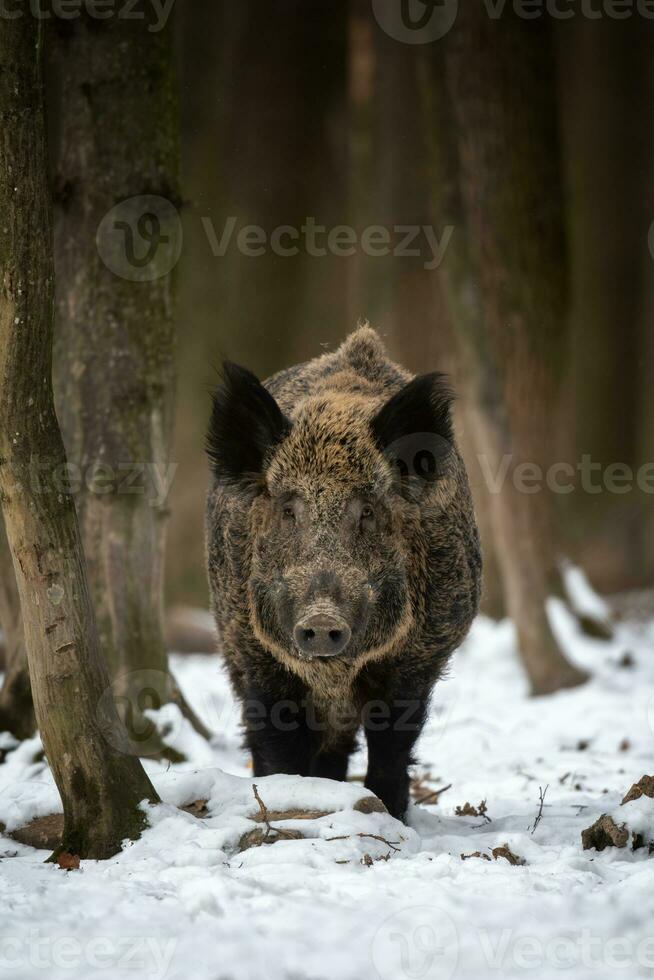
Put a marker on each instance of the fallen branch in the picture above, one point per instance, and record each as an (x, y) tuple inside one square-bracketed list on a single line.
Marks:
[(539, 815), (280, 832), (389, 843), (424, 794)]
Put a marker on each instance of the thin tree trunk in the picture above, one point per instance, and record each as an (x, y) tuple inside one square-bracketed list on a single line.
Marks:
[(282, 88), (645, 414), (402, 292), (495, 152), (100, 782), (471, 440), (115, 350), (361, 162), (16, 708)]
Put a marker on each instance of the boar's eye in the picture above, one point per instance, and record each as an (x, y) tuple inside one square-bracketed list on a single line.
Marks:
[(367, 516), (288, 512)]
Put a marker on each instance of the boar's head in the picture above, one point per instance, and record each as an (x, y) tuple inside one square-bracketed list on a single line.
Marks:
[(330, 493)]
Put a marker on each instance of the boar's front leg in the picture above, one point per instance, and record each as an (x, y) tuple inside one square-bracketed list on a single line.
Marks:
[(392, 724), (332, 759), (276, 730)]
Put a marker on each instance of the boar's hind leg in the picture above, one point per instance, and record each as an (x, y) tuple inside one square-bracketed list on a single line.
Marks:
[(276, 730), (390, 743)]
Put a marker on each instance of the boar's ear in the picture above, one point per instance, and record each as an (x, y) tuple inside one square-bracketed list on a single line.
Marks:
[(246, 424), (421, 406), (414, 429)]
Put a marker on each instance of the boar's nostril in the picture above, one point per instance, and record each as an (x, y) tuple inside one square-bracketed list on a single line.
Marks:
[(321, 636)]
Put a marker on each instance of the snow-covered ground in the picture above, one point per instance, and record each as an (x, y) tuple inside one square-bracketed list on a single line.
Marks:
[(397, 904)]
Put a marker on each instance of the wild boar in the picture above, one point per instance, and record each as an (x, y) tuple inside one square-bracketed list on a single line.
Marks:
[(343, 558)]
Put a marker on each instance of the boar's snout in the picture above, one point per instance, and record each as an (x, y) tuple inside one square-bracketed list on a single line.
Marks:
[(322, 635)]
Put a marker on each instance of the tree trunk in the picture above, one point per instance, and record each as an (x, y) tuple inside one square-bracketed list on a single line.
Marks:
[(401, 291), (16, 708), (100, 782), (505, 278), (115, 342), (608, 92)]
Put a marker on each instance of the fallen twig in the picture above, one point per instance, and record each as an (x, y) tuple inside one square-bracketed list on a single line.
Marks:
[(264, 818), (539, 815), (422, 794), (262, 808), (389, 843)]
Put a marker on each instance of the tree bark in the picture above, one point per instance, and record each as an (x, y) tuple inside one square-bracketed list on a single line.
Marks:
[(498, 184), (100, 783), (115, 342), (16, 708)]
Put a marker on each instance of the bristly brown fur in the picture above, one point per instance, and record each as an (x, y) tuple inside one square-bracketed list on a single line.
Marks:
[(347, 427)]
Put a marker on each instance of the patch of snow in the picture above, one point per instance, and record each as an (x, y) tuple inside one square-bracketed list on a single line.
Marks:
[(583, 597), (638, 815), (185, 902)]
